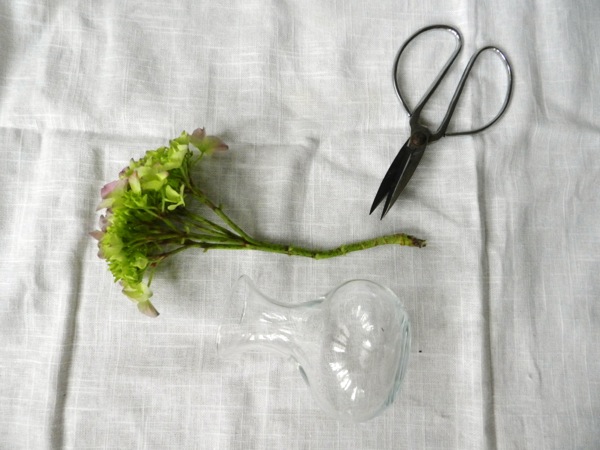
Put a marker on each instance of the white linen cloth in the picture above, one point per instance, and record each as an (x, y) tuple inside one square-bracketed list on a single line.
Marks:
[(503, 300)]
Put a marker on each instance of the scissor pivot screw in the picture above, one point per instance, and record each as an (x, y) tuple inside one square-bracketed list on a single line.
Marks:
[(417, 140)]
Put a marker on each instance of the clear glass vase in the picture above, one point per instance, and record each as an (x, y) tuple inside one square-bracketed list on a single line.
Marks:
[(351, 345)]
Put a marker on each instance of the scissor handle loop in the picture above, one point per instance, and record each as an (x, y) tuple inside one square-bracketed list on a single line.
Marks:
[(441, 132), (440, 76), (416, 113)]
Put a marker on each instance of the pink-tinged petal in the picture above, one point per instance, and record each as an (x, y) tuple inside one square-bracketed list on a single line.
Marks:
[(108, 188), (106, 203), (148, 309), (216, 143), (113, 187), (134, 183), (97, 234), (199, 133), (123, 171)]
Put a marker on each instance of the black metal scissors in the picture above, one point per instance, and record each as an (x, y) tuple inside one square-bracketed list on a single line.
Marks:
[(410, 154)]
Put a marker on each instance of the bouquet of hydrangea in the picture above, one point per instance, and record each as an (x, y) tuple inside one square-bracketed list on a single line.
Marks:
[(148, 217)]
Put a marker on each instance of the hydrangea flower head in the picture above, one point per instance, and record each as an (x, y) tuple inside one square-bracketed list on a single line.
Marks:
[(141, 206)]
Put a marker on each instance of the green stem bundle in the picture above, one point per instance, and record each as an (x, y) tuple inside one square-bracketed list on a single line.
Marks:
[(209, 235)]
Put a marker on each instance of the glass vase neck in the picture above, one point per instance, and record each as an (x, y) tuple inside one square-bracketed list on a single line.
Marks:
[(263, 324)]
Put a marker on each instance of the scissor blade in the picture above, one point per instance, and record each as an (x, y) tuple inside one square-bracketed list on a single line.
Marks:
[(409, 168), (397, 177), (392, 176)]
